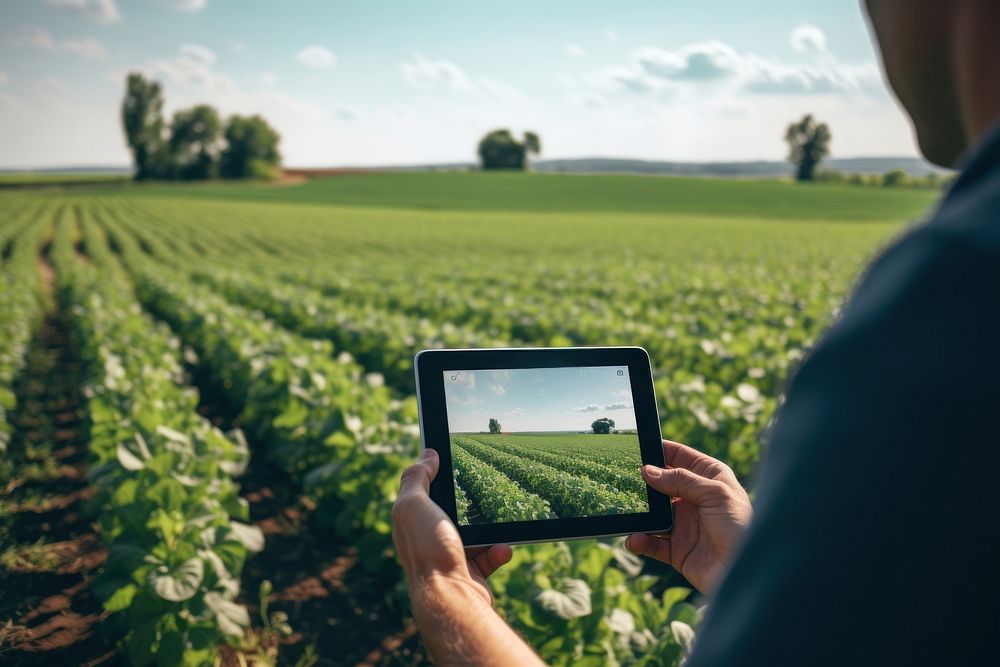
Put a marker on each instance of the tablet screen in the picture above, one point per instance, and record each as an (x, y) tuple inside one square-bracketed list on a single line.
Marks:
[(543, 443)]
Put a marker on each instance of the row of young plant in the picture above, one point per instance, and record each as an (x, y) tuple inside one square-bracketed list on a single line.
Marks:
[(169, 510), (612, 617), (625, 479), (495, 497), (382, 313), (21, 301), (378, 338), (568, 495), (333, 428)]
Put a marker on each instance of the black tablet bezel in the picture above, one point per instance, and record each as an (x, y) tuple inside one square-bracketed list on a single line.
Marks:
[(430, 366)]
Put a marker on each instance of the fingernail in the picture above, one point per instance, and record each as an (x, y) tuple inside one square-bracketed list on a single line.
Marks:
[(652, 471), (427, 453)]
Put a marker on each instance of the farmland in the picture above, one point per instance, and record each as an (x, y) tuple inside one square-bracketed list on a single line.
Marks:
[(206, 394), (571, 474)]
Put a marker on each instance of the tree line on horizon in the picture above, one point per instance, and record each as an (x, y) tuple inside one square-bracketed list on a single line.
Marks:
[(196, 144), (808, 143)]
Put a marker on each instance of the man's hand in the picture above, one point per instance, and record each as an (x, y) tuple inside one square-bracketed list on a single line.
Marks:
[(427, 541), (711, 513), (452, 603)]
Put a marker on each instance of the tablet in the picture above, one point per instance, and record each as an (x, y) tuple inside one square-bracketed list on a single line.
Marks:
[(541, 444)]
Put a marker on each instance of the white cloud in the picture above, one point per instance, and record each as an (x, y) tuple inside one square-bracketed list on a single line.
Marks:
[(101, 11), (445, 76), (85, 48), (575, 51), (768, 76), (501, 91), (265, 78), (198, 52), (715, 68), (316, 56), (498, 389), (190, 69), (705, 61), (593, 407), (425, 74), (610, 407), (807, 38), (34, 37), (188, 5)]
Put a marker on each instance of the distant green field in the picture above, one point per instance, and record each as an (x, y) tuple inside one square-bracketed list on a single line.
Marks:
[(577, 193), (50, 179)]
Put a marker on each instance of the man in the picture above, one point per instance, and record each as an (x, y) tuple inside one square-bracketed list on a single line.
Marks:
[(874, 532)]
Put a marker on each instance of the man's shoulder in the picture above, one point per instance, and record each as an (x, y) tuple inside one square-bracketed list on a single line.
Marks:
[(950, 260)]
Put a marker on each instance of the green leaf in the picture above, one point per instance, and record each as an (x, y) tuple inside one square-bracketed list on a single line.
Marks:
[(180, 583), (683, 634), (170, 650), (128, 460), (140, 644), (121, 598), (249, 536), (572, 601), (231, 617)]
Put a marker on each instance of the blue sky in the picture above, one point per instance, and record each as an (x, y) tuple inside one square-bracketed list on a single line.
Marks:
[(352, 82), (540, 399)]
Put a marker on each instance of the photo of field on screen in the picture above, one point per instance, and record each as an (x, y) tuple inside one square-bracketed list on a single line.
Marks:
[(543, 443)]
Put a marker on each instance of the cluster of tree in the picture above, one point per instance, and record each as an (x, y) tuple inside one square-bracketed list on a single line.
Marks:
[(603, 426), (500, 150), (196, 144), (808, 143), (494, 425), (894, 178)]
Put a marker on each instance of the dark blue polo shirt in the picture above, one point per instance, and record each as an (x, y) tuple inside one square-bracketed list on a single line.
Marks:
[(877, 520)]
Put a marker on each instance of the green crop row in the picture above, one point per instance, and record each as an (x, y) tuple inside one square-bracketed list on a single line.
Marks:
[(618, 451), (334, 429), (21, 236), (622, 479), (378, 338), (497, 498), (169, 510), (568, 495)]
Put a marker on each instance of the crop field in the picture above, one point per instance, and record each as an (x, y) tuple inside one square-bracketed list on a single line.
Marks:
[(206, 395), (521, 477)]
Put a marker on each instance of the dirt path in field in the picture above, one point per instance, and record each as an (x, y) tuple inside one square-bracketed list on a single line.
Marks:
[(49, 547), (337, 610)]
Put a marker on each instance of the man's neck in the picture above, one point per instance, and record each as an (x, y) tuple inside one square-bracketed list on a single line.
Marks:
[(976, 50)]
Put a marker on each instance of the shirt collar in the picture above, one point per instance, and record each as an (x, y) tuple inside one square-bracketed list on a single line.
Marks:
[(981, 160)]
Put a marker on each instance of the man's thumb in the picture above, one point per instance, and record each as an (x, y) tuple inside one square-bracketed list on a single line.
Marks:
[(419, 475)]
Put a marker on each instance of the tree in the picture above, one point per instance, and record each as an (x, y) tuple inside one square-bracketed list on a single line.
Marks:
[(251, 148), (808, 143), (196, 142), (603, 425), (494, 425), (142, 119), (894, 178), (500, 150)]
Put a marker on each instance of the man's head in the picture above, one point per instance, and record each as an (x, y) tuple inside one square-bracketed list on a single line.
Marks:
[(936, 54)]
